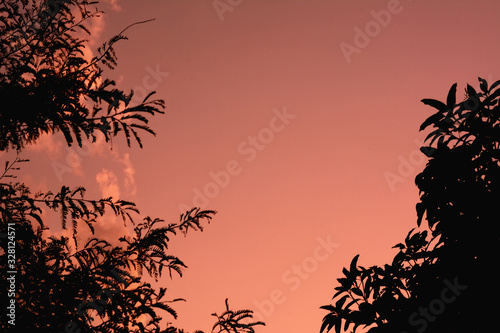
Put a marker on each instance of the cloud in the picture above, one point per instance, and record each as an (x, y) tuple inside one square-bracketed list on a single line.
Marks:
[(75, 162), (109, 226), (129, 172), (114, 5), (96, 27), (108, 183), (100, 147), (48, 144)]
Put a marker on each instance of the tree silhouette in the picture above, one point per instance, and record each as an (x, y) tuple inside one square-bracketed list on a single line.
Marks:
[(441, 278), (47, 86)]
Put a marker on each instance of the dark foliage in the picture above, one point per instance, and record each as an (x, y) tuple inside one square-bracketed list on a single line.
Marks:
[(231, 321), (442, 278), (98, 287), (47, 86)]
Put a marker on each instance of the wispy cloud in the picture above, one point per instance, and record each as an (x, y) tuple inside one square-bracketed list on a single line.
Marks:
[(48, 144), (108, 183), (129, 172), (114, 5), (109, 226)]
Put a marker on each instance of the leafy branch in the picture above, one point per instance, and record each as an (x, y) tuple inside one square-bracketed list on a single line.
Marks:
[(232, 321), (51, 87)]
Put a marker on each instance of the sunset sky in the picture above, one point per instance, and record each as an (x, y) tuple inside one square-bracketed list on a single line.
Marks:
[(296, 120)]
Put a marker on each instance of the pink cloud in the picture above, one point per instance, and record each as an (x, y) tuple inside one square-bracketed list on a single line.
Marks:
[(114, 5), (108, 183), (48, 144), (129, 172)]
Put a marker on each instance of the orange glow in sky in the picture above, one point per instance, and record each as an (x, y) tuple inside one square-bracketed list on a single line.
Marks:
[(296, 120)]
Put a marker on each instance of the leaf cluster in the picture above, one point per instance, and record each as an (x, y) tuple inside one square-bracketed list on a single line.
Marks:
[(97, 287), (48, 85), (459, 195)]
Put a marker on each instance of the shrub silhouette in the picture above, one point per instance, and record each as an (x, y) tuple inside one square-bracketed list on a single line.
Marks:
[(441, 280)]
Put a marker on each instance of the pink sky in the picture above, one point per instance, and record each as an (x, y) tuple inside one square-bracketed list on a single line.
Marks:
[(286, 184)]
